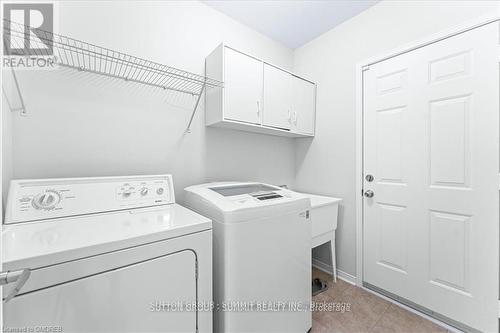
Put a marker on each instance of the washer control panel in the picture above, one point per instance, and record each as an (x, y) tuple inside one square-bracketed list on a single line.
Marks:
[(46, 200), (140, 190), (31, 200)]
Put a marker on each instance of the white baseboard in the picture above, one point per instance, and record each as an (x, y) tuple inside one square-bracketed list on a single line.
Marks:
[(346, 277), (327, 268), (418, 313)]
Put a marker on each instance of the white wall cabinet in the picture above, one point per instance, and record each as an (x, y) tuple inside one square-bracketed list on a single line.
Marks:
[(258, 96), (303, 106), (277, 98), (243, 98)]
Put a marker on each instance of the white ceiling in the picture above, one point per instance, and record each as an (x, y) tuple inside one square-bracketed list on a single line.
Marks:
[(291, 22)]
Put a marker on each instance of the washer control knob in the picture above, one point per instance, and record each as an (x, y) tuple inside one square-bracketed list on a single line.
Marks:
[(144, 191), (46, 200), (160, 191), (126, 194)]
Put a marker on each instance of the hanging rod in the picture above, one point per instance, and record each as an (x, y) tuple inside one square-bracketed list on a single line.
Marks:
[(83, 56)]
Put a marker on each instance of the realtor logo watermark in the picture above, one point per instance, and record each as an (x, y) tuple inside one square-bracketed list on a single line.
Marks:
[(28, 35)]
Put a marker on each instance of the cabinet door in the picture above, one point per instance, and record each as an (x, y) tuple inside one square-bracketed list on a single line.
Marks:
[(277, 97), (243, 87), (303, 106)]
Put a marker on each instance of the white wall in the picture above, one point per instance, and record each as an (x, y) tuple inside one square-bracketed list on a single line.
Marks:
[(9, 100), (325, 165), (86, 125), (7, 149)]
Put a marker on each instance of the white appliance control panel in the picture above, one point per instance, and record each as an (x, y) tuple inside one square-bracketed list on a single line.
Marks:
[(40, 199)]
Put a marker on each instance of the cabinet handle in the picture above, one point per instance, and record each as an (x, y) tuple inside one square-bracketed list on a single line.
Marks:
[(258, 109), (289, 116), (295, 117)]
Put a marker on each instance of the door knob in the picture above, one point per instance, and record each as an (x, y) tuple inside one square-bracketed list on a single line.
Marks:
[(369, 194)]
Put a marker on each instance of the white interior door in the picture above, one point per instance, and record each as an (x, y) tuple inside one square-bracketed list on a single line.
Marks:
[(243, 87), (277, 97), (431, 143)]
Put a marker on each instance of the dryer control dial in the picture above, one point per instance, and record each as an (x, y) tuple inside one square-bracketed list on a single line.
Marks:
[(46, 200)]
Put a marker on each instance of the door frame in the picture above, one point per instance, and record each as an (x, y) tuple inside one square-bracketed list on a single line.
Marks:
[(360, 68)]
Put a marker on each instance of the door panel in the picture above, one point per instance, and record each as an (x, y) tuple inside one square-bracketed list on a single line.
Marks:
[(277, 97), (243, 87), (448, 252), (431, 141), (392, 247), (449, 141), (450, 66), (392, 82), (389, 135)]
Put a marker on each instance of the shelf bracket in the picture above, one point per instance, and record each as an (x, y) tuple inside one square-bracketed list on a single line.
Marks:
[(22, 108), (188, 129)]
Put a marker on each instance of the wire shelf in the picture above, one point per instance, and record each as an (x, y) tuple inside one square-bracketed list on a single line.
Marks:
[(83, 56)]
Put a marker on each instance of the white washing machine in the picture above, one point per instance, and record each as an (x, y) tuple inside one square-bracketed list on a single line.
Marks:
[(110, 254), (262, 256)]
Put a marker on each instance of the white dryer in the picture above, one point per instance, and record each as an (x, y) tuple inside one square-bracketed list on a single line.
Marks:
[(110, 254), (262, 256)]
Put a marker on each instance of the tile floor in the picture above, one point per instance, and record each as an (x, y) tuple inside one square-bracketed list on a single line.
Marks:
[(368, 312)]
